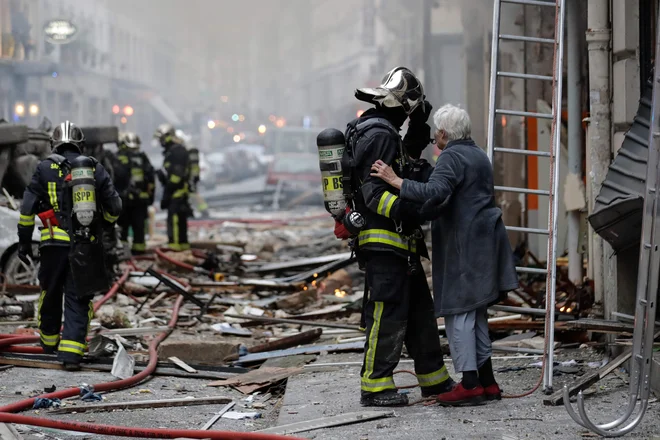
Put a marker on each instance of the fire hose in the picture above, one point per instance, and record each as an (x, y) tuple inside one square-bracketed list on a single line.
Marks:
[(7, 416)]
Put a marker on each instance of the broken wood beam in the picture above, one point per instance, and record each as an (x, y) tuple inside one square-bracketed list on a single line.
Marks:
[(294, 321), (148, 404), (315, 349), (600, 325), (283, 343), (160, 371), (179, 363), (327, 422)]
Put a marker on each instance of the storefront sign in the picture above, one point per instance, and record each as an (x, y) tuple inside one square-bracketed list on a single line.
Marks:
[(60, 31)]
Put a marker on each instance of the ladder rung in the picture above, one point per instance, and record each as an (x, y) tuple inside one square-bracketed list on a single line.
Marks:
[(502, 111), (514, 309), (524, 152), (524, 76), (527, 39), (528, 230), (531, 270), (530, 2), (539, 192)]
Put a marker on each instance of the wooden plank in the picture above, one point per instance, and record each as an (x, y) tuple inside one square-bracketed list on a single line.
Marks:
[(161, 403), (8, 432), (315, 349), (53, 365), (181, 364), (283, 343), (601, 325), (261, 377)]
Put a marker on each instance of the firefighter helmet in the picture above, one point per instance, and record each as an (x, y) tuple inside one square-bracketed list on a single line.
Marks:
[(399, 88), (67, 133), (129, 140), (165, 134)]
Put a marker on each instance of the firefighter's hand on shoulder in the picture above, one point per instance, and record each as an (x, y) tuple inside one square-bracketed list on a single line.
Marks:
[(25, 253)]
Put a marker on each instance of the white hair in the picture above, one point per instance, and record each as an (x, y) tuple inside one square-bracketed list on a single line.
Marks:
[(454, 121)]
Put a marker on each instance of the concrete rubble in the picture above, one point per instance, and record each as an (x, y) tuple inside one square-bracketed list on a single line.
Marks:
[(274, 331)]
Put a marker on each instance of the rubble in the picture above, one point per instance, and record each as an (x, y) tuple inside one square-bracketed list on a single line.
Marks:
[(261, 305), (198, 352)]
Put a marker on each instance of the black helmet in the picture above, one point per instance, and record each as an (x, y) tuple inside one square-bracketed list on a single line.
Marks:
[(67, 133), (165, 134), (399, 88)]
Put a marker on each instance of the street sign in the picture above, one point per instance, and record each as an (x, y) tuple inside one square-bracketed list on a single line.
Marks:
[(60, 31)]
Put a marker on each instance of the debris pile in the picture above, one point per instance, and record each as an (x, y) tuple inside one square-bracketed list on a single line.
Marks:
[(259, 303)]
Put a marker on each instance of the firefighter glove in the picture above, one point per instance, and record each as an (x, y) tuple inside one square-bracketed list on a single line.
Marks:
[(341, 232), (165, 203), (25, 253), (421, 114)]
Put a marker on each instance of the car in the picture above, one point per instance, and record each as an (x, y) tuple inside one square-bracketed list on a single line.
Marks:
[(293, 174), (14, 270)]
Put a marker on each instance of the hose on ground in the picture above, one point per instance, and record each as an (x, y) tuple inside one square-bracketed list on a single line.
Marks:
[(7, 416)]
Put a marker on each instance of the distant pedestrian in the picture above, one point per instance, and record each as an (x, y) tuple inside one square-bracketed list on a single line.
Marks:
[(472, 258)]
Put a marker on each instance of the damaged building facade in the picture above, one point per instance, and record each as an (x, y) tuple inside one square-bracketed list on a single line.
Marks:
[(615, 45), (115, 71)]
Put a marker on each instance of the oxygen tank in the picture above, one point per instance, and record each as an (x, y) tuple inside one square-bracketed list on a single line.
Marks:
[(331, 144), (83, 190)]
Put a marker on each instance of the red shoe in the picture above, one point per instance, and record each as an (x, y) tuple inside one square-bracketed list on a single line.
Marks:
[(459, 396), (493, 392)]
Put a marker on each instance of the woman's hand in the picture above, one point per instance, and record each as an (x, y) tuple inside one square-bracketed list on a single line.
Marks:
[(384, 171)]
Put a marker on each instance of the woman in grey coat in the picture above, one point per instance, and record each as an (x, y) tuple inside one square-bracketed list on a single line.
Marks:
[(472, 258)]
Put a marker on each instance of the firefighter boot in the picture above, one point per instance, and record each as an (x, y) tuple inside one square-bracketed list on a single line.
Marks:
[(384, 398)]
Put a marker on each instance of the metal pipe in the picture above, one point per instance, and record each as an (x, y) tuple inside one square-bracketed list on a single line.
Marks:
[(574, 89), (492, 96), (599, 36)]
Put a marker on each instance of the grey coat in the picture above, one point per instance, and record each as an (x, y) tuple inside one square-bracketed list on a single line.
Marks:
[(472, 259)]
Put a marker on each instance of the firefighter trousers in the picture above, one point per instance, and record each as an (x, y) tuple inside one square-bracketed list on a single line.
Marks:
[(177, 228), (56, 279), (134, 216), (399, 310)]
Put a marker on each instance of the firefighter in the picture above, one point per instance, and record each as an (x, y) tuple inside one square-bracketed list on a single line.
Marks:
[(135, 180), (175, 178), (71, 254), (398, 307), (200, 203)]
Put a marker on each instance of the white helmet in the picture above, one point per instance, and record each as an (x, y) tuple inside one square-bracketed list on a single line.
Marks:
[(129, 140)]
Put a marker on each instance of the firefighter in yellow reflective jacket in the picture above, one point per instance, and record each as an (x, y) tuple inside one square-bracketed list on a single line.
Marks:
[(398, 306), (135, 181), (49, 196), (175, 178), (195, 174)]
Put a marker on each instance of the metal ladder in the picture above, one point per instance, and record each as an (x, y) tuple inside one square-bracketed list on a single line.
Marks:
[(647, 288), (553, 155)]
